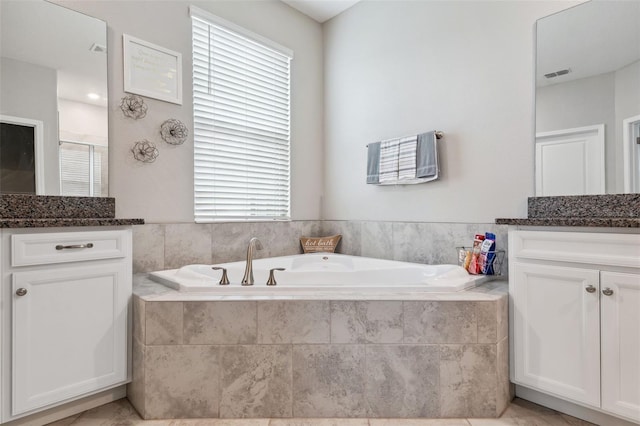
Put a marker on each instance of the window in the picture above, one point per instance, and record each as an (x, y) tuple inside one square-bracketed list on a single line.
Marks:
[(241, 85), (83, 169)]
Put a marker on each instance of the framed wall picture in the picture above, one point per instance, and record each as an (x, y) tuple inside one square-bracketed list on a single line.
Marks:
[(151, 70)]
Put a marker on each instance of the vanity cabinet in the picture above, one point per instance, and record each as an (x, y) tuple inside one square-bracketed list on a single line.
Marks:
[(65, 316), (575, 301), (557, 330), (620, 315)]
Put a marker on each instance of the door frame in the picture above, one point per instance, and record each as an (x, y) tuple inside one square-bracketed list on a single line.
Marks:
[(630, 155)]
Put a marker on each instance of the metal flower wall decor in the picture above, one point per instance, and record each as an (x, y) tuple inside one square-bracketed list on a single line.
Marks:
[(145, 151), (174, 132), (133, 106)]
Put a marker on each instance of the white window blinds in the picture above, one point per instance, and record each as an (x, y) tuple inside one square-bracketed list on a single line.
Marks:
[(241, 124), (83, 169)]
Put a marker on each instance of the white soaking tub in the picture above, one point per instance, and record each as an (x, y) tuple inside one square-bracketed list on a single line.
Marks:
[(321, 273)]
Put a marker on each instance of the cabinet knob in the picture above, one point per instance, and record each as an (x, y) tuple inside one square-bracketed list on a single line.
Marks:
[(607, 291), (21, 291), (590, 289)]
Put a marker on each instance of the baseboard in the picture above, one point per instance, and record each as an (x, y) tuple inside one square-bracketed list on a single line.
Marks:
[(71, 408), (570, 408)]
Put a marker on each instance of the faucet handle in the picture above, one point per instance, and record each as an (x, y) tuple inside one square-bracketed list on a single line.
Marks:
[(224, 280), (272, 278)]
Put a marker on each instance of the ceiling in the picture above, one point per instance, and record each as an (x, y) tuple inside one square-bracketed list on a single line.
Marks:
[(321, 10)]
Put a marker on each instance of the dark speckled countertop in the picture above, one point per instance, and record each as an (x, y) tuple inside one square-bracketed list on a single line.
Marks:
[(608, 211), (602, 222), (43, 211), (61, 222)]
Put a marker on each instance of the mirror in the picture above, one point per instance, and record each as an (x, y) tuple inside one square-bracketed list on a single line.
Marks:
[(588, 100), (53, 100)]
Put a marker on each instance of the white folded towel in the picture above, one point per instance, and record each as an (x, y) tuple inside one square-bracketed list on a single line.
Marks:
[(407, 157), (389, 151)]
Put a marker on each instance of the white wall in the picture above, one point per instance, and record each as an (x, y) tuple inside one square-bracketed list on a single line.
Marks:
[(162, 192), (83, 122), (394, 68), (30, 91)]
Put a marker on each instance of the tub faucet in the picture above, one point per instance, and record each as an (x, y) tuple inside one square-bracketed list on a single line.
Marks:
[(254, 244)]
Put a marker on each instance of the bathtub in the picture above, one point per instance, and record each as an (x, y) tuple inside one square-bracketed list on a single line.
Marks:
[(321, 273)]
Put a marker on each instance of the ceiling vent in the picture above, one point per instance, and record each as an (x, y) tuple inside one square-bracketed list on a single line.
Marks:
[(95, 47), (558, 73)]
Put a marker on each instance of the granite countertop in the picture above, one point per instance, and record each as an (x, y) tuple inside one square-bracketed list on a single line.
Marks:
[(604, 222), (47, 211), (606, 211), (64, 222)]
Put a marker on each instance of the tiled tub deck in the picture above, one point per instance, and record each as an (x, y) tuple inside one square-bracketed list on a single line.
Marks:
[(427, 355)]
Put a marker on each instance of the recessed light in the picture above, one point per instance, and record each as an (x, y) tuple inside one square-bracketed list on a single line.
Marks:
[(93, 96)]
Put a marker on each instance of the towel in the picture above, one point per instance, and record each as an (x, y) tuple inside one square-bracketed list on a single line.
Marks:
[(427, 156), (373, 162), (389, 150), (407, 157)]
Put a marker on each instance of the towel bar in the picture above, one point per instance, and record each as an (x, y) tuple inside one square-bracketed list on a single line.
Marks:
[(439, 135)]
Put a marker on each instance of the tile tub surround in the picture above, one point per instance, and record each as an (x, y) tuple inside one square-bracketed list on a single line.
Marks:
[(173, 245), (168, 246), (438, 355), (420, 242)]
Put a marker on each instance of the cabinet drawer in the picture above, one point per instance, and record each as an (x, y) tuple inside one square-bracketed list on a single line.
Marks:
[(578, 247), (48, 248)]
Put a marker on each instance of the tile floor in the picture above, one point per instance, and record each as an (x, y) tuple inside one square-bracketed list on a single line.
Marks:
[(519, 413)]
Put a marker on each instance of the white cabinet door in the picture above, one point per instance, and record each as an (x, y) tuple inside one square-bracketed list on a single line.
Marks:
[(620, 308), (556, 330), (69, 332)]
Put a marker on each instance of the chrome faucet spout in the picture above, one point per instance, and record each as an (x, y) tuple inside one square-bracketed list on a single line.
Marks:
[(254, 244)]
